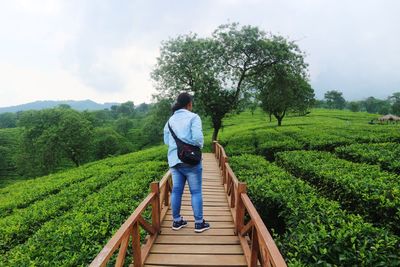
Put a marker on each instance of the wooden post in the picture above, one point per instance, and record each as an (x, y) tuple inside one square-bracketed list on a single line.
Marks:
[(122, 250), (214, 144), (239, 206), (155, 206), (255, 247), (225, 177), (224, 168), (166, 194), (137, 252)]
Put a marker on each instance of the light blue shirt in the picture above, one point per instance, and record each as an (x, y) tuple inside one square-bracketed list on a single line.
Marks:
[(187, 127)]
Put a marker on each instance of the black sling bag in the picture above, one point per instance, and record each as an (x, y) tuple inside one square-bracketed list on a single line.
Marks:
[(187, 153)]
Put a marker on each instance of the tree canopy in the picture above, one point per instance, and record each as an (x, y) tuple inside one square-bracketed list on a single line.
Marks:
[(219, 69)]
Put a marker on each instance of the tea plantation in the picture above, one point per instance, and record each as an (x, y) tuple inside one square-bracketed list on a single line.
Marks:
[(326, 184), (64, 219)]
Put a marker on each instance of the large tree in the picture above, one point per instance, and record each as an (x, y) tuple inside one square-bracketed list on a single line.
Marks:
[(219, 68), (51, 135), (395, 99), (284, 89), (335, 100)]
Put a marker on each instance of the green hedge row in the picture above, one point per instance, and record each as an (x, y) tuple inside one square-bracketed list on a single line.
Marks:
[(360, 188), (78, 236), (387, 155), (20, 225), (23, 194), (311, 230), (269, 141)]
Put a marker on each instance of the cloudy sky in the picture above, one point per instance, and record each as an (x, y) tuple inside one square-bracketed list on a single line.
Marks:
[(104, 50)]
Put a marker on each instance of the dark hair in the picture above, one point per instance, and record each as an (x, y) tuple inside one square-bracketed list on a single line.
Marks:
[(182, 101)]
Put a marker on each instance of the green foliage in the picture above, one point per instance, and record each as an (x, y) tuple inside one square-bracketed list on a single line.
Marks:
[(79, 235), (373, 105), (77, 218), (8, 149), (284, 89), (334, 100), (8, 120), (23, 194), (387, 155), (218, 69), (395, 99), (309, 228), (354, 106), (321, 130), (51, 135), (108, 142), (360, 188)]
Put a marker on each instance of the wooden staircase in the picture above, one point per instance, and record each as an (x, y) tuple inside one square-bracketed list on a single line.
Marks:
[(233, 240)]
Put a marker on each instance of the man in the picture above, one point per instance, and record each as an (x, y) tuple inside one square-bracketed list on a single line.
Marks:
[(187, 127)]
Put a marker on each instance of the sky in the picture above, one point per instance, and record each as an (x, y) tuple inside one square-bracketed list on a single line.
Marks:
[(104, 50)]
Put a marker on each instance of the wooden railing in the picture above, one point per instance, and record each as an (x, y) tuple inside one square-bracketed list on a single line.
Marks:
[(158, 199), (257, 243)]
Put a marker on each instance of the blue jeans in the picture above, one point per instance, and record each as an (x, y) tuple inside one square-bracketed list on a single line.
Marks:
[(193, 174)]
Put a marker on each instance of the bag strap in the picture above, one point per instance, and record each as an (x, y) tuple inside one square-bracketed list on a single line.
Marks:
[(173, 134)]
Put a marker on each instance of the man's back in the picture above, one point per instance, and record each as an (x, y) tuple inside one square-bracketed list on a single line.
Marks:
[(187, 126)]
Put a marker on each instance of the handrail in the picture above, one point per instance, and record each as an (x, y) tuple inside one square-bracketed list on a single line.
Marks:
[(258, 244), (158, 198)]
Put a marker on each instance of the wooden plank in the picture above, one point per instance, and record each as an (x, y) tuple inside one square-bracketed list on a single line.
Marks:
[(208, 198), (190, 231), (206, 213), (196, 260), (197, 239), (189, 207), (209, 219), (198, 249), (205, 194), (207, 204), (217, 225)]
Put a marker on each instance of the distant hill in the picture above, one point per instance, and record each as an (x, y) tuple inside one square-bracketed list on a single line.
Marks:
[(78, 105)]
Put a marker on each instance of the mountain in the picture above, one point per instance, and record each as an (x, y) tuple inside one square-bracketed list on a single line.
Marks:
[(78, 105)]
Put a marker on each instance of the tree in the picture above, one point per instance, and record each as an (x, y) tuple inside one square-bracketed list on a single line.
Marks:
[(8, 120), (51, 135), (74, 135), (123, 125), (217, 70), (354, 106), (108, 142), (126, 109), (334, 100), (284, 90), (153, 126), (395, 99), (374, 105)]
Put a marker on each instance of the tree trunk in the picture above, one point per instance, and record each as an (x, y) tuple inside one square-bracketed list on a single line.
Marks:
[(279, 117), (75, 160), (279, 121), (216, 125), (215, 134)]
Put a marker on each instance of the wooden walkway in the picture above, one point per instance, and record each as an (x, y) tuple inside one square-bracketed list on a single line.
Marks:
[(237, 237), (218, 246)]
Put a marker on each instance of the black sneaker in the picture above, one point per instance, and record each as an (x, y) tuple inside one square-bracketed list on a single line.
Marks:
[(201, 227), (178, 225)]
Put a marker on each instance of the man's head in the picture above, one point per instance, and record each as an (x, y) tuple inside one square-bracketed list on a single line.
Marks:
[(184, 100)]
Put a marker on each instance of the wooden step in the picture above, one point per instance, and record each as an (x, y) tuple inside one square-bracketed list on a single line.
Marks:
[(189, 230), (197, 239), (205, 213), (209, 219), (216, 225), (196, 260), (197, 249)]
